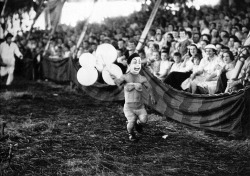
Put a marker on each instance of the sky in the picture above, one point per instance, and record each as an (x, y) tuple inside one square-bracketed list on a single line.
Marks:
[(78, 11)]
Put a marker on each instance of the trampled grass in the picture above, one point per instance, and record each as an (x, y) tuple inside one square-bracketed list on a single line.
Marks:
[(55, 131)]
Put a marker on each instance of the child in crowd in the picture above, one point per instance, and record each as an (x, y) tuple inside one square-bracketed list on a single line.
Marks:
[(133, 82), (177, 66), (165, 65), (236, 48), (154, 66), (196, 60)]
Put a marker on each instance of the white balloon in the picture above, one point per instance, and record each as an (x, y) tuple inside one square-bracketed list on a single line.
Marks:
[(113, 69), (107, 53), (99, 64), (87, 60), (87, 76)]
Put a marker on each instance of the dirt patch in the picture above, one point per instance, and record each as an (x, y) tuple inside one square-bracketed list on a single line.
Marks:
[(58, 131)]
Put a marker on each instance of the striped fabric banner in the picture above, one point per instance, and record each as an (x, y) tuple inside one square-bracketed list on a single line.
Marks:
[(223, 112)]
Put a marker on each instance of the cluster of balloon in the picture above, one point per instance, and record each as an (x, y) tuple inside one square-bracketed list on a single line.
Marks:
[(87, 74), (106, 55)]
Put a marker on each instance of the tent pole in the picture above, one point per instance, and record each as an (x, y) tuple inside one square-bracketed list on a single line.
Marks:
[(39, 11), (85, 27), (148, 25), (51, 34), (4, 6)]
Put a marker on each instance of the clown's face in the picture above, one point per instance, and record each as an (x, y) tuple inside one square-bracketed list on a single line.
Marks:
[(135, 65)]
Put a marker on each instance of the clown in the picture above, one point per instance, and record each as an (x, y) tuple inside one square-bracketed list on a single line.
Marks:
[(133, 82)]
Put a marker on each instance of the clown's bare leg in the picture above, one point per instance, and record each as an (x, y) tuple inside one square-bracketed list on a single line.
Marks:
[(142, 120), (130, 129), (131, 120)]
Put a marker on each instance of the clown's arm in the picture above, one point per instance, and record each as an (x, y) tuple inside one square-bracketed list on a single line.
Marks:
[(118, 81), (148, 87)]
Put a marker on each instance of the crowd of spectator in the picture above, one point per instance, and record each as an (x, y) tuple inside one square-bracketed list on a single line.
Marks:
[(195, 47)]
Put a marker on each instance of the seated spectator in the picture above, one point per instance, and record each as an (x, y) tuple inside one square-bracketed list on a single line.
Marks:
[(159, 38), (202, 45), (173, 49), (186, 85), (143, 57), (122, 46), (225, 39), (196, 37), (66, 51), (168, 41), (154, 64), (236, 48), (176, 67), (207, 75), (176, 77), (59, 43), (231, 41), (204, 27), (206, 37), (165, 66), (226, 72), (72, 46), (150, 50), (58, 55), (93, 47), (215, 36), (184, 42)]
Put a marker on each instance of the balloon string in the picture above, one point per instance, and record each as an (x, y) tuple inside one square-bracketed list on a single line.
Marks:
[(104, 65)]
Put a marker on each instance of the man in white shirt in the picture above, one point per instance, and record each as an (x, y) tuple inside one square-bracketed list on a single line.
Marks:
[(8, 50)]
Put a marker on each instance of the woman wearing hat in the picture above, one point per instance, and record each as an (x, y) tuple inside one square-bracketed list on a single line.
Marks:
[(206, 76), (7, 51)]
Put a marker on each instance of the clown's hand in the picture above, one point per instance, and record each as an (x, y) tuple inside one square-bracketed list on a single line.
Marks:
[(112, 76)]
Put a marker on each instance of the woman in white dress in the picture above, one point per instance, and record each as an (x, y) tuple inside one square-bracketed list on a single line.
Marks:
[(207, 75)]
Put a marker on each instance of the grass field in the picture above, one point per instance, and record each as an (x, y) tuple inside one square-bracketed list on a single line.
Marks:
[(54, 130)]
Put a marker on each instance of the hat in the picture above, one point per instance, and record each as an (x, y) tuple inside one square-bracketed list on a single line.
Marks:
[(132, 56), (9, 35), (210, 46)]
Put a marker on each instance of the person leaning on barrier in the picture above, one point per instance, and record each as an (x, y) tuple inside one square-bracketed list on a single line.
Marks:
[(244, 76)]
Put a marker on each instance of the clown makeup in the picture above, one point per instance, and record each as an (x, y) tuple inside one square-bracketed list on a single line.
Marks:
[(135, 65)]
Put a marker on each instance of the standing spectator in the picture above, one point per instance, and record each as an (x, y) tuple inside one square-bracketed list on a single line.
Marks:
[(122, 46), (168, 42), (7, 51), (225, 39), (214, 36), (159, 38), (196, 37), (204, 27)]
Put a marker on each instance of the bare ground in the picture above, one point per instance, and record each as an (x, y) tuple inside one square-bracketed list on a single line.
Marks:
[(57, 131)]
